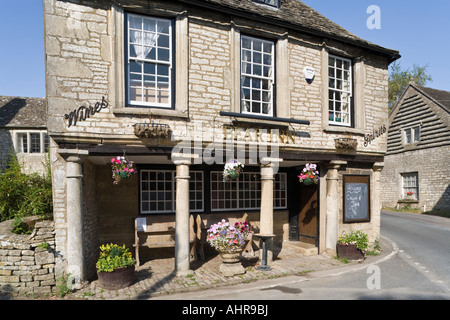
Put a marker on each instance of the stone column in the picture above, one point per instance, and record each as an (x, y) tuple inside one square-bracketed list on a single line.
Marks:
[(266, 211), (332, 218), (74, 211), (376, 198), (182, 252)]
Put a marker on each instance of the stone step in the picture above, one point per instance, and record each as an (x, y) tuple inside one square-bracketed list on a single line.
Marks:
[(304, 248)]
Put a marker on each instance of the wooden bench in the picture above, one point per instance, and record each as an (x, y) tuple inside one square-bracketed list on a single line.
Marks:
[(202, 232), (159, 232)]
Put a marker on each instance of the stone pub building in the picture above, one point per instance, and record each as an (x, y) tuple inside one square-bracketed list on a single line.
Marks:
[(180, 88)]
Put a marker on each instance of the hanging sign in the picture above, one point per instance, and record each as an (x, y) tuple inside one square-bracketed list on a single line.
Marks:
[(82, 113)]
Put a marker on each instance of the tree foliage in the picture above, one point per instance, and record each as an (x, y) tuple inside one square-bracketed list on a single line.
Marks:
[(23, 194), (399, 79)]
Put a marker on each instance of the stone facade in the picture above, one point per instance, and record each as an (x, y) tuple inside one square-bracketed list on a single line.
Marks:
[(27, 262), (23, 116), (85, 59), (428, 110)]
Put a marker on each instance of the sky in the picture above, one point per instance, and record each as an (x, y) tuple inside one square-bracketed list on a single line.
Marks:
[(419, 29)]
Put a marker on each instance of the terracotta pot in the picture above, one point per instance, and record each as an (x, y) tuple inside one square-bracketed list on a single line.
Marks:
[(351, 252), (118, 279)]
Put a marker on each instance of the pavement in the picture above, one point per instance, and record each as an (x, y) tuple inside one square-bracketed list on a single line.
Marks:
[(155, 279)]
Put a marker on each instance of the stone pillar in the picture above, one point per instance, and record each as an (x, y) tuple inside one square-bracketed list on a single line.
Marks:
[(266, 211), (376, 198), (182, 252), (74, 211), (332, 220)]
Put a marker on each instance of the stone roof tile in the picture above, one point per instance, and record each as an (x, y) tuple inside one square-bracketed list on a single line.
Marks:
[(23, 112)]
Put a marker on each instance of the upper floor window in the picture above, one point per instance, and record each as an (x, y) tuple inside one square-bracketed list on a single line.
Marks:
[(257, 76), (340, 90), (272, 3), (412, 135), (32, 142), (149, 61)]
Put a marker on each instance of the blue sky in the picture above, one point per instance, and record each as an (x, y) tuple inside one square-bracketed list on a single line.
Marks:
[(420, 30)]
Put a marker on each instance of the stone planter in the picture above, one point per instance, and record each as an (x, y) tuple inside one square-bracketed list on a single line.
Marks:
[(118, 279), (231, 263), (351, 252)]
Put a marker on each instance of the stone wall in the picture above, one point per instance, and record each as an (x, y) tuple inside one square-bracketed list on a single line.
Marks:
[(433, 170), (26, 265)]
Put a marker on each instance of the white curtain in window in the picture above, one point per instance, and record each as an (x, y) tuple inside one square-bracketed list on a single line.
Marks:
[(144, 42)]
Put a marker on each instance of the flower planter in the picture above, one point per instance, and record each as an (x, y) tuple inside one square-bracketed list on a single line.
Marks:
[(350, 251), (118, 279), (231, 263)]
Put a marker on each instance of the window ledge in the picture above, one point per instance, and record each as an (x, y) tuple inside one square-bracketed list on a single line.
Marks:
[(152, 112), (265, 119), (337, 129)]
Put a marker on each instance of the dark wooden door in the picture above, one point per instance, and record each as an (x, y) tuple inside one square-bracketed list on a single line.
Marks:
[(308, 214)]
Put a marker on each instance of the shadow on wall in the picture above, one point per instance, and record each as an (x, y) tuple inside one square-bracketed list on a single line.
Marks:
[(444, 201)]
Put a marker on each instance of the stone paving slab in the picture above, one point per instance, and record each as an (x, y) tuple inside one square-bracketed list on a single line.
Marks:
[(157, 277)]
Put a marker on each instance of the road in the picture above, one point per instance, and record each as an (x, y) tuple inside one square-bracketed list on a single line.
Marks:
[(417, 268)]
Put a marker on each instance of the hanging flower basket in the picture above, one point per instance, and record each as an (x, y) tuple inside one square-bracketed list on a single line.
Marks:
[(232, 170), (309, 175), (122, 169)]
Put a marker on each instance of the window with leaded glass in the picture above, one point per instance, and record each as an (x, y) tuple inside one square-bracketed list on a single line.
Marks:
[(257, 76), (32, 142), (339, 91), (149, 61), (410, 183), (245, 193), (158, 191)]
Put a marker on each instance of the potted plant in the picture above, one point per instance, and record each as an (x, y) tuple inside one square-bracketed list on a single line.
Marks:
[(309, 175), (410, 195), (232, 170), (115, 267), (352, 246), (122, 169), (229, 240)]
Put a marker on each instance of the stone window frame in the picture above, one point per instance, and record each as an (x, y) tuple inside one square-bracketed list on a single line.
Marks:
[(349, 91), (156, 62), (404, 189), (181, 58), (270, 78), (358, 106), (43, 143), (412, 132), (281, 105)]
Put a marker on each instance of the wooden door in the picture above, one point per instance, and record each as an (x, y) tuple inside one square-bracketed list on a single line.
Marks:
[(308, 214)]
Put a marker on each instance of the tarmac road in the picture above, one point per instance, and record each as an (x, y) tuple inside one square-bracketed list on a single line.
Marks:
[(414, 265)]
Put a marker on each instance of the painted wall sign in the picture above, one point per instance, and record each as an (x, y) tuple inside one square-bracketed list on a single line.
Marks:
[(258, 135), (82, 113), (375, 134)]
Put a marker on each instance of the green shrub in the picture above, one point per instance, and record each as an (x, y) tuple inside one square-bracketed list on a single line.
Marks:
[(113, 257), (23, 195)]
